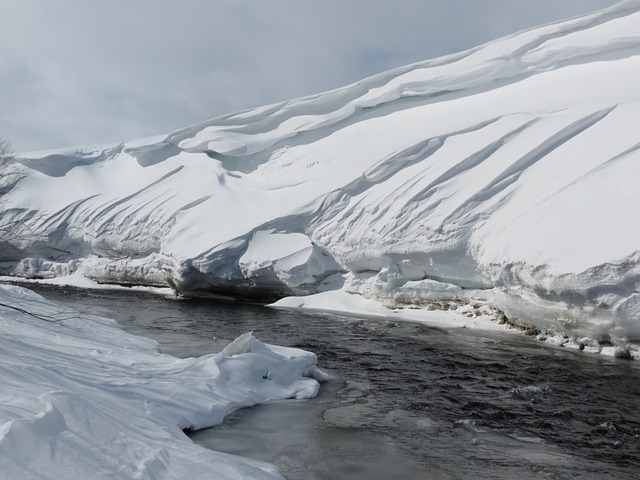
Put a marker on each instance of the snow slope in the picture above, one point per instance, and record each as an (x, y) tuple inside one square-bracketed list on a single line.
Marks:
[(81, 398), (506, 173)]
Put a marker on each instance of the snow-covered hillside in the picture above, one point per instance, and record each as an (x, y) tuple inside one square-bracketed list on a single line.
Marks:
[(507, 173)]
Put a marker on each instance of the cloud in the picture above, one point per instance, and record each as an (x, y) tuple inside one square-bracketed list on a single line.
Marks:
[(82, 72)]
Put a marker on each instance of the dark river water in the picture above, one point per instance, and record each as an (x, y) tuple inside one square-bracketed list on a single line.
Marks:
[(406, 401)]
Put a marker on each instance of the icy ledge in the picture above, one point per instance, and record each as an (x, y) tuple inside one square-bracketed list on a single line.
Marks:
[(81, 398), (578, 322)]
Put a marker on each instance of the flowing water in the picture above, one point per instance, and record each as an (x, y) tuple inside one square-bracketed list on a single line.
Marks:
[(406, 401)]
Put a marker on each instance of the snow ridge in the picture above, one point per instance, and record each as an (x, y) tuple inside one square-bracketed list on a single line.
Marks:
[(503, 173)]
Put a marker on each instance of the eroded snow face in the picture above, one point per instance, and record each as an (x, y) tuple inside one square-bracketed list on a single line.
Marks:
[(509, 167), (81, 398), (289, 258)]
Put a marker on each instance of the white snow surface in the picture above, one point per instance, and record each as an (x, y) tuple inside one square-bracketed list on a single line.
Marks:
[(81, 398), (507, 172)]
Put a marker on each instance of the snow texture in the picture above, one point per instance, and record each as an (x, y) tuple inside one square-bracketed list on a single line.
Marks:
[(507, 173), (81, 398)]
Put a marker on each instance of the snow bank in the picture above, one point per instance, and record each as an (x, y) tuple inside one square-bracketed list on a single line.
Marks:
[(287, 258), (445, 313), (81, 398), (505, 173)]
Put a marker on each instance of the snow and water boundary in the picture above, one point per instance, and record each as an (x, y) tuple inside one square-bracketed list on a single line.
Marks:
[(81, 398), (474, 311)]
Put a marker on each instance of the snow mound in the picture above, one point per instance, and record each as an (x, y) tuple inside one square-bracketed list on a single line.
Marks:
[(506, 172), (81, 398)]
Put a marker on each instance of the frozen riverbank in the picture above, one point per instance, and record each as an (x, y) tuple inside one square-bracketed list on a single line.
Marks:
[(81, 398)]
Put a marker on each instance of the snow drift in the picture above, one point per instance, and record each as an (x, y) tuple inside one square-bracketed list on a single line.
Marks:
[(505, 173), (81, 398)]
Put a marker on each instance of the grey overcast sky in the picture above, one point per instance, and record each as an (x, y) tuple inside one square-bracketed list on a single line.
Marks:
[(81, 72)]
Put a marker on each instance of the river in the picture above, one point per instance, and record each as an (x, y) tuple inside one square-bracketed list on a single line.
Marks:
[(405, 400)]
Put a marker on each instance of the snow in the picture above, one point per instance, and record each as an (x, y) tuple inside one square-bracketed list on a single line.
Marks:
[(446, 314), (81, 398), (489, 188), (290, 258), (503, 175)]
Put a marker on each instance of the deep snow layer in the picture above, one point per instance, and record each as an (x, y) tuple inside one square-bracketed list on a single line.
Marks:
[(506, 173), (81, 398)]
